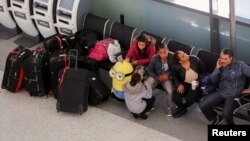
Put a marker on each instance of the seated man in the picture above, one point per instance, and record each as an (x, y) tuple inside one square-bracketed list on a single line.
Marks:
[(159, 73), (230, 74)]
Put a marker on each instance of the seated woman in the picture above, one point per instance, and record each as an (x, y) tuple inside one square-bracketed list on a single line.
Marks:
[(141, 50), (187, 73), (138, 96)]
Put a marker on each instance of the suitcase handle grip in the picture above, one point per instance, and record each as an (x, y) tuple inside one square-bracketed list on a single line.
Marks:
[(73, 53)]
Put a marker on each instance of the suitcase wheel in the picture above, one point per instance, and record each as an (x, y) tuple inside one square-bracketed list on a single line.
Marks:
[(58, 107)]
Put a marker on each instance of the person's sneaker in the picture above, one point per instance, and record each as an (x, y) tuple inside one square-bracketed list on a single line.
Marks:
[(170, 112), (152, 109), (218, 120)]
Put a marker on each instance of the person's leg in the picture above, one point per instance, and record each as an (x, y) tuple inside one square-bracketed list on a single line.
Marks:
[(149, 105), (229, 106), (207, 103), (191, 95), (152, 82), (168, 87), (177, 97)]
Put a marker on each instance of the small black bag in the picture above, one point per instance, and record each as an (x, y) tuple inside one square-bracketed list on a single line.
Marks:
[(98, 92), (84, 41)]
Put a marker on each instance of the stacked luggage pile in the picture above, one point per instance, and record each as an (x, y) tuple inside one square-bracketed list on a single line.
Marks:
[(60, 68)]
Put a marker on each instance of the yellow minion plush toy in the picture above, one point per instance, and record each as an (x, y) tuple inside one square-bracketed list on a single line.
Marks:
[(121, 73)]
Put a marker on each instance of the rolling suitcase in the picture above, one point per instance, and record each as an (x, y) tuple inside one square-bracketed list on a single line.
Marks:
[(13, 73), (73, 88), (98, 92), (37, 74), (57, 61)]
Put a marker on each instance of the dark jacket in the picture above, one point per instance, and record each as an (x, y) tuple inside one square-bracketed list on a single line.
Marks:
[(179, 72), (154, 68), (231, 79)]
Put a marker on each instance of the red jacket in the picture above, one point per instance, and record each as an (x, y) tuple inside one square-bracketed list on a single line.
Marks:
[(134, 55)]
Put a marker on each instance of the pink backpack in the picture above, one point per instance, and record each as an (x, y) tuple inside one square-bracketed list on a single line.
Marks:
[(99, 52)]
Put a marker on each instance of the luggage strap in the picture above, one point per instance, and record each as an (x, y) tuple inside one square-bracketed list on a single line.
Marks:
[(71, 53), (62, 77), (13, 52), (59, 42), (38, 49)]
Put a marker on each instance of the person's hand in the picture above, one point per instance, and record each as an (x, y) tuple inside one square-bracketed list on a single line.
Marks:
[(164, 77), (127, 59), (218, 64), (160, 78), (246, 91), (134, 63), (180, 89)]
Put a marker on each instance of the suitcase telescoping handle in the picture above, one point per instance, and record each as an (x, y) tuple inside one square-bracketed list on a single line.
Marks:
[(73, 53)]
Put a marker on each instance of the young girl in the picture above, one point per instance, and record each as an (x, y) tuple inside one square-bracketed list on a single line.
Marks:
[(138, 96), (141, 50)]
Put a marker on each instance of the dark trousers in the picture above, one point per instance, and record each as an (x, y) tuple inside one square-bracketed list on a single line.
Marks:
[(186, 99), (150, 103), (206, 106)]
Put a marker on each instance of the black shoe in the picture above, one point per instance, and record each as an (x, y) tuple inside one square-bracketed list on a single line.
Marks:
[(135, 115), (152, 109), (179, 112), (143, 116), (218, 120)]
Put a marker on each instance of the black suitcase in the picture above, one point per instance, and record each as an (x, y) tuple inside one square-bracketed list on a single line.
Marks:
[(37, 74), (13, 73), (73, 88), (57, 61), (98, 92), (58, 42)]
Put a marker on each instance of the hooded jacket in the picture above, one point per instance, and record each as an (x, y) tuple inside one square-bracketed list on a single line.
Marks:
[(134, 96)]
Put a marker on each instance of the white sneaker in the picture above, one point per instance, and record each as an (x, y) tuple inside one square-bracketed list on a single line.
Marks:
[(170, 112)]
